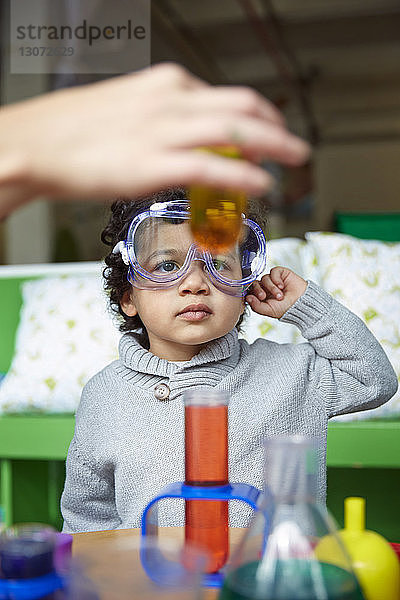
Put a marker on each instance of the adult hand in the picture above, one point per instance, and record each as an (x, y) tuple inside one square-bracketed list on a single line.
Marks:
[(137, 133)]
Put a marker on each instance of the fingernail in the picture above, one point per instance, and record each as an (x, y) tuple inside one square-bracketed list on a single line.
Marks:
[(279, 295)]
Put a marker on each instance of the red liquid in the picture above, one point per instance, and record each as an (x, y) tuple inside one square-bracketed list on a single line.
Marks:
[(206, 463)]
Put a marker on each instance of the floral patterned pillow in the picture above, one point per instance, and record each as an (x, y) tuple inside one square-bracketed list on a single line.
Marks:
[(64, 337), (365, 276)]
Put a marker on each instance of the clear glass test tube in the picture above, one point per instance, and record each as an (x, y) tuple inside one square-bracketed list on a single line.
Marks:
[(206, 464)]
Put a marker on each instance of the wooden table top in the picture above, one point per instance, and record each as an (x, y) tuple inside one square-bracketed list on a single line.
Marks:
[(111, 560)]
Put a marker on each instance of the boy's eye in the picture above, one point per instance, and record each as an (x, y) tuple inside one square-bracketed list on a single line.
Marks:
[(220, 265), (166, 266)]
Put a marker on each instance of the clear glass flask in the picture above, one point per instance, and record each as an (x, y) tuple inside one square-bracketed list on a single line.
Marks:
[(279, 556)]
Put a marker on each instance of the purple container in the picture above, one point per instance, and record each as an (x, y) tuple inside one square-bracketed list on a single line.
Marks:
[(62, 552), (26, 551)]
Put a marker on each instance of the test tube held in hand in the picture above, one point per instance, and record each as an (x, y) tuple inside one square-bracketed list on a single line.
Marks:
[(206, 464), (216, 215)]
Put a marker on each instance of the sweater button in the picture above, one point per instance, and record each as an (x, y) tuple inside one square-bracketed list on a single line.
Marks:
[(161, 391)]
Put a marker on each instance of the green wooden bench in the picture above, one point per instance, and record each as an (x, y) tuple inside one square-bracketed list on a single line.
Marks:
[(33, 451)]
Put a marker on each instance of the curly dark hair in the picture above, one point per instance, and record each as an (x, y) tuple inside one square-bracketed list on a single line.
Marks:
[(115, 273)]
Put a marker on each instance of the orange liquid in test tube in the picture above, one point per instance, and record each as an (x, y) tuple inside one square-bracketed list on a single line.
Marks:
[(206, 464), (216, 215)]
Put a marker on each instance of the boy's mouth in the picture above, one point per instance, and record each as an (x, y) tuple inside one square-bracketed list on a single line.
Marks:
[(195, 312)]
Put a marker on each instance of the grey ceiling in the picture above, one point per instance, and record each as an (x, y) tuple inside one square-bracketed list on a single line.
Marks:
[(332, 65)]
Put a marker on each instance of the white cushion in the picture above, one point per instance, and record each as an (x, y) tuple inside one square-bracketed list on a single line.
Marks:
[(65, 336), (365, 276)]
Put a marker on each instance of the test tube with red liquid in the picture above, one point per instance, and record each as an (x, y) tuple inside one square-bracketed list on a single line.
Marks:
[(206, 464)]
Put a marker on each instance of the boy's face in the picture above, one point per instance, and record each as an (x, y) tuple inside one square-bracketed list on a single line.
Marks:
[(180, 320)]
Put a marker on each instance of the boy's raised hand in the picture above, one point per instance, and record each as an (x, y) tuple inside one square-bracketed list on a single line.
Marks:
[(276, 292)]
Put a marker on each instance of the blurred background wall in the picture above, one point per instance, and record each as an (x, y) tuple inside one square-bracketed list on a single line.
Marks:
[(332, 67)]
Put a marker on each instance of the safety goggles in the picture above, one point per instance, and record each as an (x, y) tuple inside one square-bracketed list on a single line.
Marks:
[(160, 251)]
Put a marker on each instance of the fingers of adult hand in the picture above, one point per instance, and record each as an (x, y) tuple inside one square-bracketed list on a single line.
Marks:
[(145, 174), (250, 134), (272, 142), (156, 82), (173, 75), (235, 100), (183, 169), (211, 169)]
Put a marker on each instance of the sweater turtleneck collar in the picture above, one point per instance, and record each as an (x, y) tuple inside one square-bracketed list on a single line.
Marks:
[(137, 358)]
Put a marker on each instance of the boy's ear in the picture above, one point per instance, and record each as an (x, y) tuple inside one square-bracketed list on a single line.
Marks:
[(127, 304)]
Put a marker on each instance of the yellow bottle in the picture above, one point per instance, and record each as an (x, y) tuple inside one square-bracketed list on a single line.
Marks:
[(216, 215), (374, 561)]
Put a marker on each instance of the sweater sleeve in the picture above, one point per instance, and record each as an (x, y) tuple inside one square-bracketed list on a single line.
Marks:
[(88, 499), (349, 367)]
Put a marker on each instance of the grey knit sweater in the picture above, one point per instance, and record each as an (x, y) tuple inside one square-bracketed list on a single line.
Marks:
[(128, 443)]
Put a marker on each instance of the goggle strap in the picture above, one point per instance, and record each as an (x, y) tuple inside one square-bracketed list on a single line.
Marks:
[(121, 249)]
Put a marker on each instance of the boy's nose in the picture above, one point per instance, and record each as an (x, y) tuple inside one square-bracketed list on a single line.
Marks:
[(196, 281)]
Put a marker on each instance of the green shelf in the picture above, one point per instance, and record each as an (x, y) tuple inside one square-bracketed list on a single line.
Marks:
[(36, 437), (373, 226), (368, 444)]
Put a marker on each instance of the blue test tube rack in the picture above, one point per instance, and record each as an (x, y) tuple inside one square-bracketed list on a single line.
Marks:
[(154, 563), (31, 589)]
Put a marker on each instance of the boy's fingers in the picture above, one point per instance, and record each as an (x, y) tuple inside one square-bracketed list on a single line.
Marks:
[(257, 291), (271, 287), (250, 298), (258, 306), (277, 276)]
